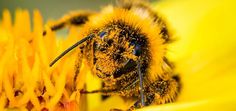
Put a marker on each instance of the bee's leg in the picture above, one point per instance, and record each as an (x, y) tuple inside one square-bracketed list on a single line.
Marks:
[(74, 18), (141, 85), (77, 67), (145, 99), (102, 91), (148, 100), (164, 91), (160, 92)]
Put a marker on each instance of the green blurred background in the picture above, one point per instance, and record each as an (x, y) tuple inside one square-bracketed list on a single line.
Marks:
[(53, 8)]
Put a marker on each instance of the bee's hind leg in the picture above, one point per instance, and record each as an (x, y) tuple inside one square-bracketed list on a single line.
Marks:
[(74, 18)]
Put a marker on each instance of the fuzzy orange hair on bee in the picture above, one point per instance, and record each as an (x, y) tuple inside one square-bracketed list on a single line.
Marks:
[(125, 46)]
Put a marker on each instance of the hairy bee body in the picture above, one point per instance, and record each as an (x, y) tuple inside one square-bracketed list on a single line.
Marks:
[(129, 39)]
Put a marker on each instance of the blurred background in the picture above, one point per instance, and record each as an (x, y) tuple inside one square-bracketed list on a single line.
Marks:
[(53, 8)]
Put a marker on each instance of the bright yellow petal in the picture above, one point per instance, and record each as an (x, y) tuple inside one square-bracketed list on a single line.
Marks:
[(206, 51), (26, 80), (216, 104)]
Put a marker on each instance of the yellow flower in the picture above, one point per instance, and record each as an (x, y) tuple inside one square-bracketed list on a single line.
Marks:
[(204, 55), (26, 81)]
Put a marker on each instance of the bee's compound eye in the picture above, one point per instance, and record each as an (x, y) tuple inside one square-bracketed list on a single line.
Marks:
[(137, 50), (132, 43), (102, 34)]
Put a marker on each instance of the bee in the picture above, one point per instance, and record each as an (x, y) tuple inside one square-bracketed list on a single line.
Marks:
[(125, 46)]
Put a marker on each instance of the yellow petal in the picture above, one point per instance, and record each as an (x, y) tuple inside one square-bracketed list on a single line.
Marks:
[(6, 20), (216, 104)]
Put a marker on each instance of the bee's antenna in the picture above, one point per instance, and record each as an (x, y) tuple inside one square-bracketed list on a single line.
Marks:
[(70, 48)]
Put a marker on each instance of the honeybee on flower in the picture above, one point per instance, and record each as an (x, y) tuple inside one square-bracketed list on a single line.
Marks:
[(203, 55), (125, 46)]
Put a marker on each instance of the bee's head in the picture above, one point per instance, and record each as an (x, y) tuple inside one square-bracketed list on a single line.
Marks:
[(116, 51)]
